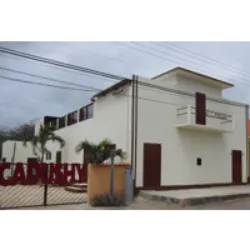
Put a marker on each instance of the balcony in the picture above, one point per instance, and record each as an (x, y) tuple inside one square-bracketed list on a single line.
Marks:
[(215, 121)]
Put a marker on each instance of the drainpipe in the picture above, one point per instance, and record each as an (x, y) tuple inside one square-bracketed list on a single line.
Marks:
[(247, 145)]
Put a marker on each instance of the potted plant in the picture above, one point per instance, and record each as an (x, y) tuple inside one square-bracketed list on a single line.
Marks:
[(98, 154)]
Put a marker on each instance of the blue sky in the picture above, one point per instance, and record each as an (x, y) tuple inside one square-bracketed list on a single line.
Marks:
[(20, 103)]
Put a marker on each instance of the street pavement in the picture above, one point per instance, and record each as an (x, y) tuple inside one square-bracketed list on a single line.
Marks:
[(140, 207)]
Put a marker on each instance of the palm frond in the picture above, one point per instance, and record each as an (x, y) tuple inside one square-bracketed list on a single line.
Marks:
[(46, 151), (86, 146), (97, 153), (104, 143), (119, 153), (38, 142), (31, 139), (59, 139), (35, 148)]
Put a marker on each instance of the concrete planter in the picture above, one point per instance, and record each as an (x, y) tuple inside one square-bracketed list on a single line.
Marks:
[(99, 179)]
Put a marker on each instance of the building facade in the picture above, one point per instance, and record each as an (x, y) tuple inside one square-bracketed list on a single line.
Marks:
[(176, 129)]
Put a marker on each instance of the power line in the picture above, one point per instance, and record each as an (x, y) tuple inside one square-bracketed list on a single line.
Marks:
[(140, 50), (164, 52), (212, 65), (91, 52), (42, 84), (48, 78), (208, 62), (149, 53), (184, 93), (171, 60), (156, 101), (188, 51), (56, 67), (60, 64)]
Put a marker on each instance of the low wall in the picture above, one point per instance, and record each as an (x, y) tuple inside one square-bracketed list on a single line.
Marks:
[(99, 179)]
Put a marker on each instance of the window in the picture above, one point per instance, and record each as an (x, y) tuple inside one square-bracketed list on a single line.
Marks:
[(48, 156), (72, 118), (53, 124), (86, 112), (90, 111), (81, 114), (62, 122)]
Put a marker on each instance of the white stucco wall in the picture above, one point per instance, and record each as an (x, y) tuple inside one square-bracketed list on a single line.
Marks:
[(38, 124), (192, 85), (187, 83), (157, 120), (22, 153), (111, 120)]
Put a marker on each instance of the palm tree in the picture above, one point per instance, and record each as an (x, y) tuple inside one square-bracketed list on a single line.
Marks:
[(39, 141), (97, 153)]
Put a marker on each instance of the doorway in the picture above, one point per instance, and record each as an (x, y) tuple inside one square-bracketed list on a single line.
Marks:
[(236, 166), (31, 161), (58, 157), (200, 108), (151, 165)]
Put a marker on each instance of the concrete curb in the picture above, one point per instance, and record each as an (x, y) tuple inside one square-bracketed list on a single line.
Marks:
[(191, 201)]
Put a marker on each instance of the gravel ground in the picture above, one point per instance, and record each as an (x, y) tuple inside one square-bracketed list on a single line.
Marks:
[(141, 207)]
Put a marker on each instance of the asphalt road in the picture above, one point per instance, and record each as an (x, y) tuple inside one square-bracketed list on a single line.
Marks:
[(141, 208)]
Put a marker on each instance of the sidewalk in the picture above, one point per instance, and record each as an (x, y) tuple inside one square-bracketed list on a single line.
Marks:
[(197, 196), (142, 207)]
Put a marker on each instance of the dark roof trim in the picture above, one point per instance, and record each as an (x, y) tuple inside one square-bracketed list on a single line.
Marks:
[(112, 88), (195, 73)]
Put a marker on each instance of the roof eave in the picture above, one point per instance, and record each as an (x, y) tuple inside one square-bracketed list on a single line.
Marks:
[(225, 85), (111, 88)]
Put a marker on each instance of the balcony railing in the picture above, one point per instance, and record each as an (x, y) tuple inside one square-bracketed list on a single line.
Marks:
[(80, 115), (215, 121)]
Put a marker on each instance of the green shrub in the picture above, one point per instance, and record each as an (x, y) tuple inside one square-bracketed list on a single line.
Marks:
[(106, 200)]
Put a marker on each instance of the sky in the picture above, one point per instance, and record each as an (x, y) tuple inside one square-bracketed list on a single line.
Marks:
[(22, 103)]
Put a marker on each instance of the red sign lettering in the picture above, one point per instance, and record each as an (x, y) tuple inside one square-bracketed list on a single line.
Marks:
[(19, 176), (3, 167), (61, 174)]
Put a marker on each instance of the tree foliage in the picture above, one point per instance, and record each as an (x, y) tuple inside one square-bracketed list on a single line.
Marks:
[(97, 153), (38, 142), (17, 133)]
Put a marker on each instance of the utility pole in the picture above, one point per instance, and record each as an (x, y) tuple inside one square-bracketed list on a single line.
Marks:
[(112, 170), (111, 149), (13, 158)]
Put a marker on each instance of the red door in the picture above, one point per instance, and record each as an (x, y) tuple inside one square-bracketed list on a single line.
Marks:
[(31, 161), (236, 166), (200, 100), (152, 165), (58, 157)]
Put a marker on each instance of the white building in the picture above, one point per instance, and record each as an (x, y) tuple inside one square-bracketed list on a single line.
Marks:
[(14, 150), (176, 128)]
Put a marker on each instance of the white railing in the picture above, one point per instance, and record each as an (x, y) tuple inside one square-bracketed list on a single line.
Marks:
[(214, 120)]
